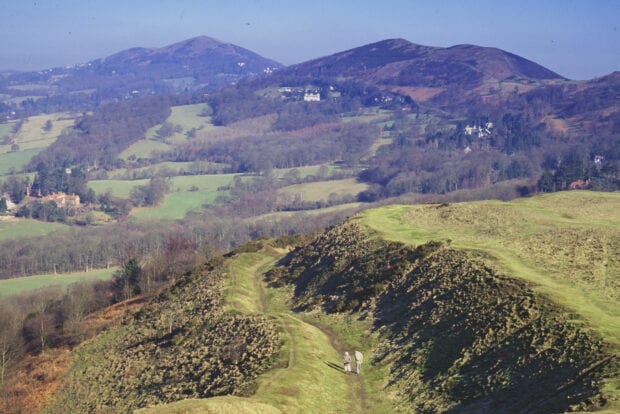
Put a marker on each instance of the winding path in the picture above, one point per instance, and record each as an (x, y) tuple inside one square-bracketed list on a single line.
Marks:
[(307, 377)]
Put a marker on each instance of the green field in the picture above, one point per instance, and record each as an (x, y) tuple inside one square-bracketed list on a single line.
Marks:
[(322, 190), (566, 244), (31, 134), (168, 168), (16, 160), (21, 228), (303, 172), (143, 149), (6, 129), (186, 116), (118, 188), (31, 139), (176, 205), (24, 284), (209, 182), (122, 188)]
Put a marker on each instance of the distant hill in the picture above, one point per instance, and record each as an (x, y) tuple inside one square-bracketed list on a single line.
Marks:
[(197, 63), (397, 64), (400, 62)]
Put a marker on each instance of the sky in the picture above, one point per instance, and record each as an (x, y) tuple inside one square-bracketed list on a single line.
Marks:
[(579, 39)]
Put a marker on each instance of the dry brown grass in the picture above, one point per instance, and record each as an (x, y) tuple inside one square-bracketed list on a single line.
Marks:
[(38, 376), (35, 382)]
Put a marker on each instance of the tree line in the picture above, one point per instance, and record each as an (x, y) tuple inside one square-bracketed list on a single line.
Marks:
[(333, 142)]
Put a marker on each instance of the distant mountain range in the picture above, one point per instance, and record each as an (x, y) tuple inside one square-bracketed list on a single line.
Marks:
[(197, 63), (451, 78)]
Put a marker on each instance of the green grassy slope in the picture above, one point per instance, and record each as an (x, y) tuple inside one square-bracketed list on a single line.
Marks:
[(307, 377), (122, 188), (182, 344), (19, 228), (567, 244), (185, 116), (451, 326), (31, 139), (322, 190), (459, 335), (16, 160), (28, 283)]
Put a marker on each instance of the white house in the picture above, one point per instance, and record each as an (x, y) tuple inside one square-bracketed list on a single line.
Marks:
[(312, 97)]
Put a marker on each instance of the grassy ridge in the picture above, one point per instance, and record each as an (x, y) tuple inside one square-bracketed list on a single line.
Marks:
[(24, 284), (567, 244), (457, 336), (307, 376), (305, 373)]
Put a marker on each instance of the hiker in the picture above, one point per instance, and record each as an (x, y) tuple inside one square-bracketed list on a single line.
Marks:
[(358, 361), (347, 362)]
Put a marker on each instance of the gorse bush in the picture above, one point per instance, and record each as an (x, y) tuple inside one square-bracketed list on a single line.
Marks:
[(180, 345)]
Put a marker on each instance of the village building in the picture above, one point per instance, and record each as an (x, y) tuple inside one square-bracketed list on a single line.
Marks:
[(479, 130), (10, 205), (312, 97), (62, 200)]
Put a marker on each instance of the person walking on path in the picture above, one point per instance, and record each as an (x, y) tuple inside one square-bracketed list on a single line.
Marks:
[(347, 362), (359, 358)]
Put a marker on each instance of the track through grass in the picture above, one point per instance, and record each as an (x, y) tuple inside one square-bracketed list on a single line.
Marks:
[(307, 376)]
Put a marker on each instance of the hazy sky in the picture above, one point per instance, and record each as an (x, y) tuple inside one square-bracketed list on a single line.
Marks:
[(579, 39)]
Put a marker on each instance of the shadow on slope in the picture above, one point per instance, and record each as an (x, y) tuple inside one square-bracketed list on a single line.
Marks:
[(459, 337)]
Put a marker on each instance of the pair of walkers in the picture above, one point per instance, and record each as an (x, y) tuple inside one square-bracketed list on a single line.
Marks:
[(358, 362)]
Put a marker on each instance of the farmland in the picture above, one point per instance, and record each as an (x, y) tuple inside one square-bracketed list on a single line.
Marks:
[(324, 190), (122, 188), (29, 283), (12, 228)]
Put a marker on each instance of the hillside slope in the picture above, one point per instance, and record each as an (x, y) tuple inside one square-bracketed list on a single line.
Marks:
[(451, 326), (459, 335), (181, 345), (448, 76)]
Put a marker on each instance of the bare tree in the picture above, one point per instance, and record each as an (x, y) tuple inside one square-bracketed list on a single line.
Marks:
[(11, 344)]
